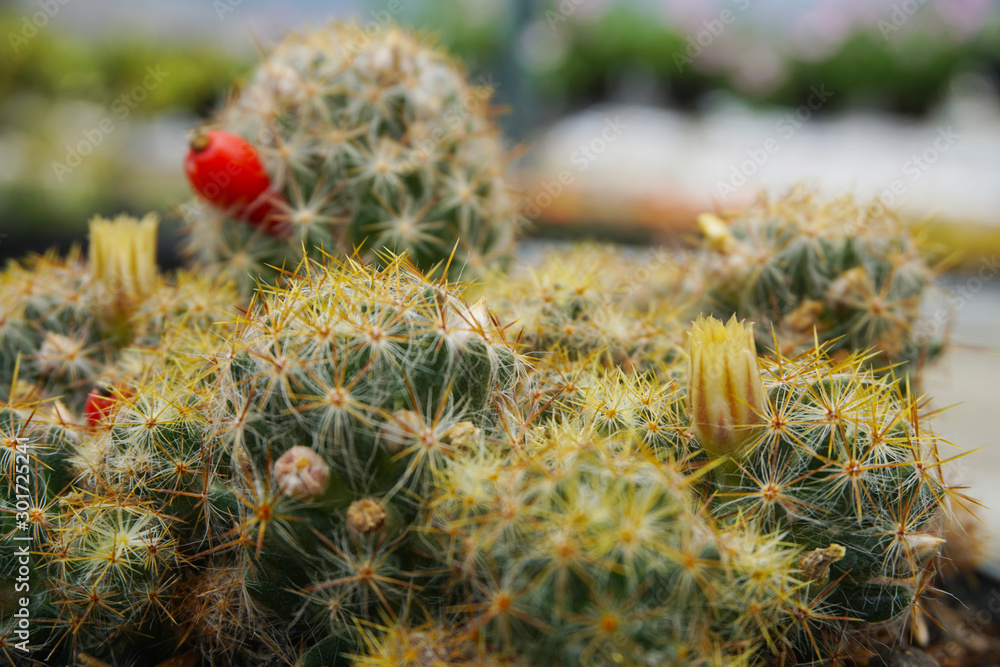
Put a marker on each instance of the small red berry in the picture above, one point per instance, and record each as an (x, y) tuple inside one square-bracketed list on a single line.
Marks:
[(225, 169), (100, 404)]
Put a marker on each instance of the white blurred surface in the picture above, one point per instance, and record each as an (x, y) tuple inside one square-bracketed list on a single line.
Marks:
[(860, 152), (967, 379)]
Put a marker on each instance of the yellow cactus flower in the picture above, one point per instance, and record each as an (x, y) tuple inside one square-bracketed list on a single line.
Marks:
[(726, 393), (123, 255)]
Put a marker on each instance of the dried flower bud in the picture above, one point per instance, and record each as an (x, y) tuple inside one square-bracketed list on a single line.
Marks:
[(301, 473), (123, 255), (462, 435), (815, 565), (920, 549), (366, 516), (726, 393)]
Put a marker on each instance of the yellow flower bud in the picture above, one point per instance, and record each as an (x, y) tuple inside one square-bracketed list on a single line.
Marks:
[(726, 393), (715, 231), (123, 255)]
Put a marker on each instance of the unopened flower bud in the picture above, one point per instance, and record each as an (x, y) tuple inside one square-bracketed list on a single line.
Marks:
[(301, 473), (716, 232), (726, 393), (366, 516), (123, 255)]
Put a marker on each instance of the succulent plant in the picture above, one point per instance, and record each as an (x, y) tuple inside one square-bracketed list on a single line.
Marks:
[(850, 275), (362, 467), (374, 142), (578, 548), (748, 508)]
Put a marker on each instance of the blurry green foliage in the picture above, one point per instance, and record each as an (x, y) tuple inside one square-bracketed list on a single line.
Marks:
[(60, 65), (907, 70)]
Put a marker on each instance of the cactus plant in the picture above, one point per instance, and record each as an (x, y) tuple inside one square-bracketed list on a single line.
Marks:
[(851, 275), (285, 466), (376, 142), (578, 548), (70, 325), (363, 466), (342, 395), (820, 475), (830, 455)]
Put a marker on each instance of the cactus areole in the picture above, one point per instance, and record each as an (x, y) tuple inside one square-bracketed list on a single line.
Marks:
[(225, 170)]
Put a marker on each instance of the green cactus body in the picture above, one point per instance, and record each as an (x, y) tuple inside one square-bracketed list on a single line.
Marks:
[(49, 333), (297, 453), (98, 563), (832, 457), (851, 274), (362, 467), (584, 549), (841, 462)]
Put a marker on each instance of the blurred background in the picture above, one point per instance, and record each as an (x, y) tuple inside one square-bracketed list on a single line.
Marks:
[(628, 117)]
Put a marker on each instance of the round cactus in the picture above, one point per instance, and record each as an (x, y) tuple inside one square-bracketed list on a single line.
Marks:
[(829, 455), (851, 276), (577, 548), (294, 457), (377, 143)]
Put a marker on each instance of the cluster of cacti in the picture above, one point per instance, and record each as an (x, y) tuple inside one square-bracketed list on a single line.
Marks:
[(729, 514), (373, 142), (851, 276), (360, 467), (364, 448), (275, 471)]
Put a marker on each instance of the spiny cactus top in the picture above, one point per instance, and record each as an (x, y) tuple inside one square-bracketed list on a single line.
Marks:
[(375, 142), (67, 324), (852, 274), (583, 549), (588, 299)]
